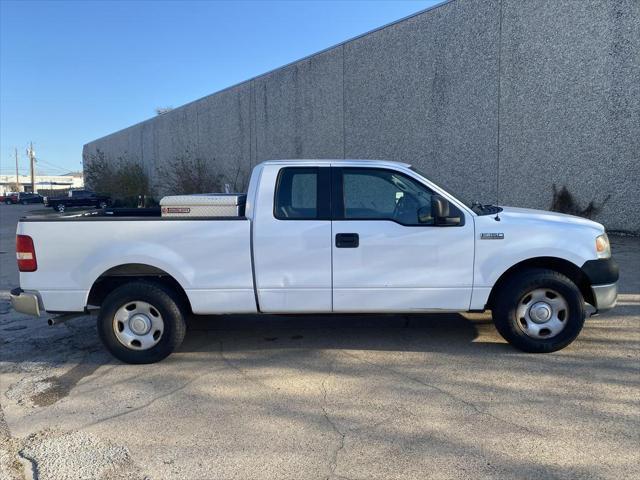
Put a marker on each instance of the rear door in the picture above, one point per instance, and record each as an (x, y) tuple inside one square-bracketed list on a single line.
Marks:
[(387, 260), (292, 240)]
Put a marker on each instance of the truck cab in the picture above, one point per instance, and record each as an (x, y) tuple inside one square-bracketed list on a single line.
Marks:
[(360, 238)]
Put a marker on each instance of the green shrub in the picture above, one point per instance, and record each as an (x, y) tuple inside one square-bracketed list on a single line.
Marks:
[(124, 180), (185, 175), (564, 202)]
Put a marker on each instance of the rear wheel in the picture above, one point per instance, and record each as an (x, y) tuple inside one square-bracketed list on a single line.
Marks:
[(60, 207), (539, 311), (141, 322)]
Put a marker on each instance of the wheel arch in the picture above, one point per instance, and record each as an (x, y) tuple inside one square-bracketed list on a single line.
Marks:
[(124, 273), (560, 265)]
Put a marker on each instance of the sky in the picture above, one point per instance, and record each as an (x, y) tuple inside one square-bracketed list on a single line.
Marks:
[(74, 71)]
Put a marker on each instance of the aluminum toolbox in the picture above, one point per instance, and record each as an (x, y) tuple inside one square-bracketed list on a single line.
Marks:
[(204, 205)]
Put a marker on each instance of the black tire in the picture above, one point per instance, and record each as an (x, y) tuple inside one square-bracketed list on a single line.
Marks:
[(515, 290), (162, 298), (24, 202), (60, 207)]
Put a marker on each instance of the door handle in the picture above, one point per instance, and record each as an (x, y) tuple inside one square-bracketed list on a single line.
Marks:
[(347, 240)]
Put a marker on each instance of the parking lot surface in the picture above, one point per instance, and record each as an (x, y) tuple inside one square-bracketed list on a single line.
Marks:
[(351, 397)]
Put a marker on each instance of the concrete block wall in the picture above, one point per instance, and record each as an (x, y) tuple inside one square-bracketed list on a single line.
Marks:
[(471, 92)]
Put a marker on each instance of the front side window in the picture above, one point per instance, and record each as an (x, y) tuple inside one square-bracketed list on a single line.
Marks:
[(376, 194), (297, 194)]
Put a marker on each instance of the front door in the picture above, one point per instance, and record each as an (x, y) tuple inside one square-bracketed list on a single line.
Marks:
[(388, 257)]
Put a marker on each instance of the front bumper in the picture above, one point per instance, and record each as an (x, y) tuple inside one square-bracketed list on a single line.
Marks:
[(602, 274), (26, 302), (605, 296)]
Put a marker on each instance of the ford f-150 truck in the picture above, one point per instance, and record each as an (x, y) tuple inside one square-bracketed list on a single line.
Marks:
[(321, 236)]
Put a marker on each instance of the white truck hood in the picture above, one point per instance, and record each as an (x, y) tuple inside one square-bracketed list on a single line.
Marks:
[(518, 214)]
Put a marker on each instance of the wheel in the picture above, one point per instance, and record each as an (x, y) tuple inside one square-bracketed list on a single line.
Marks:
[(102, 205), (539, 311), (60, 207), (7, 202), (141, 322), (23, 202)]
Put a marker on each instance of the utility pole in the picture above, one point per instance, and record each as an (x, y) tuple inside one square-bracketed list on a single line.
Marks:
[(17, 175), (32, 159)]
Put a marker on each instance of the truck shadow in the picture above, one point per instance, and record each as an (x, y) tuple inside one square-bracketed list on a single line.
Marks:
[(414, 332)]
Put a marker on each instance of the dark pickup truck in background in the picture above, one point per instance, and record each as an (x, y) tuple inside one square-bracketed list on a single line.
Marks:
[(78, 198)]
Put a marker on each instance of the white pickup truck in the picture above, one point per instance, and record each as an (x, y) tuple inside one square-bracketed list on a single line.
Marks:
[(321, 236)]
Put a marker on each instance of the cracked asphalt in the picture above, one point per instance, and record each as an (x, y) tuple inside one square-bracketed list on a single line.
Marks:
[(328, 397)]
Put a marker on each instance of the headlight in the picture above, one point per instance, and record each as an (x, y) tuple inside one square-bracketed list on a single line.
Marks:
[(603, 248)]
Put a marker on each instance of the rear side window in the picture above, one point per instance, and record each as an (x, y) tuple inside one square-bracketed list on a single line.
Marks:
[(299, 195)]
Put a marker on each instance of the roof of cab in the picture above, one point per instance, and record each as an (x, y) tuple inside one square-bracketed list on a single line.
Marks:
[(336, 162)]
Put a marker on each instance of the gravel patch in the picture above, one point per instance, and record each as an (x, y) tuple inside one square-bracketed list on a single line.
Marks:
[(78, 455), (27, 388), (10, 468)]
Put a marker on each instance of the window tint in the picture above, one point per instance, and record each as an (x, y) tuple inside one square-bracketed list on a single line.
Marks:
[(297, 194), (385, 195)]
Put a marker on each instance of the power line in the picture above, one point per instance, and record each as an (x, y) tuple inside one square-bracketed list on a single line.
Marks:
[(55, 167)]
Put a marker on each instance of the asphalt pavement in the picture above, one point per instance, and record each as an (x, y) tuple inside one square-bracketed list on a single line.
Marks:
[(328, 397)]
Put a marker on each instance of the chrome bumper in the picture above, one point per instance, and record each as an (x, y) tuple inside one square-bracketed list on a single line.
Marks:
[(25, 302), (605, 296)]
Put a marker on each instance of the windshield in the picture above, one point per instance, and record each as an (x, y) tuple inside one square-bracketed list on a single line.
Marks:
[(442, 186)]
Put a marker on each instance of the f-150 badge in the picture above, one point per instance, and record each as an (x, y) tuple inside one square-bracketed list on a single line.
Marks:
[(492, 236)]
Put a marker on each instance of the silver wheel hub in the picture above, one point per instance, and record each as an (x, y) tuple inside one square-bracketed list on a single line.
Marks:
[(138, 325), (542, 313)]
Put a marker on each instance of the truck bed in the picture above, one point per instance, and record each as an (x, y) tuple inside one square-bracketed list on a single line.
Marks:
[(209, 257), (152, 213)]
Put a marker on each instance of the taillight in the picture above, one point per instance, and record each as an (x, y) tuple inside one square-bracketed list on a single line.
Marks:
[(26, 254)]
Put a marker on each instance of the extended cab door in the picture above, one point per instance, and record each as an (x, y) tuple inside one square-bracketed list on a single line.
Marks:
[(292, 239), (388, 254)]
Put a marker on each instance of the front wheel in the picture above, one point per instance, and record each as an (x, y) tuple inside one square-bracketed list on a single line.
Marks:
[(539, 311), (141, 322), (60, 207)]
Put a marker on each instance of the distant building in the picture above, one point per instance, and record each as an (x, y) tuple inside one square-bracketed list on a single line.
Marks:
[(43, 183)]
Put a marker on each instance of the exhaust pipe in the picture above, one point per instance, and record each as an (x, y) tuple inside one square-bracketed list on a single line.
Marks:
[(63, 318)]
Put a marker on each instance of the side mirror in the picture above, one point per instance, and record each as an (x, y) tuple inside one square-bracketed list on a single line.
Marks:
[(425, 216), (440, 209)]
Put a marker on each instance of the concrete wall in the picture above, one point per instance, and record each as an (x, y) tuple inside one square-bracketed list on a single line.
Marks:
[(531, 93)]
